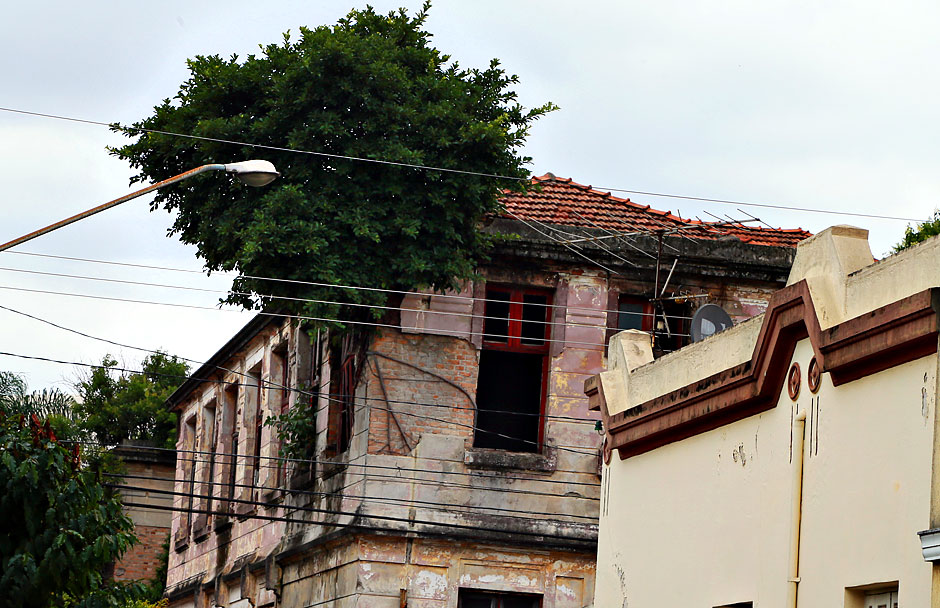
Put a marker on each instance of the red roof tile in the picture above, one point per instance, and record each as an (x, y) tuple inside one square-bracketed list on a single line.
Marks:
[(561, 201)]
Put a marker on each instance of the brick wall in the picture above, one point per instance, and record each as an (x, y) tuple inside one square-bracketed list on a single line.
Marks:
[(140, 563), (438, 372)]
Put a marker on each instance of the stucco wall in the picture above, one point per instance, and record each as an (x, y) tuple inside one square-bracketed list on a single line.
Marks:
[(422, 462), (705, 521)]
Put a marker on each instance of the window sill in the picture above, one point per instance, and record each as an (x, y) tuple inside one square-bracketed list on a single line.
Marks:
[(200, 534), (272, 498), (243, 511), (221, 522), (334, 465), (301, 478), (181, 542), (501, 460)]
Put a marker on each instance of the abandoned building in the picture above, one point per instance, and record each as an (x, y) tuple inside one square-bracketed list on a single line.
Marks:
[(453, 460), (791, 460), (151, 472)]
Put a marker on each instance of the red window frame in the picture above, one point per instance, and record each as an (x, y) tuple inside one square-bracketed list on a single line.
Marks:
[(514, 337), (285, 379), (646, 323)]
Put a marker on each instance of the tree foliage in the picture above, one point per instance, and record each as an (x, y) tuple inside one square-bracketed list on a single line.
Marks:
[(15, 397), (60, 529), (131, 406), (296, 430), (921, 233), (371, 86)]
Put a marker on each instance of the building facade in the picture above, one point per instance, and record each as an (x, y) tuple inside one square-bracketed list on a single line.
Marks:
[(789, 461), (152, 471), (454, 461)]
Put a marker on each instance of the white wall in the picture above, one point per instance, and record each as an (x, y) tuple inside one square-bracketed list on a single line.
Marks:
[(705, 521)]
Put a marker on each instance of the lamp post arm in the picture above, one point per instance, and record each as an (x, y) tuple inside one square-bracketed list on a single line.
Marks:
[(114, 203)]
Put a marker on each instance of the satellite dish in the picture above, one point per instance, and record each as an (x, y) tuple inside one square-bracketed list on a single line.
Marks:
[(709, 320)]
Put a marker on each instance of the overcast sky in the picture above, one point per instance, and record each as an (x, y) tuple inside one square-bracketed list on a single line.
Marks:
[(820, 105)]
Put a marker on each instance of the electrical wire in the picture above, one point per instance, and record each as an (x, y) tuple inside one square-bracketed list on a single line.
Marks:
[(133, 131), (317, 284), (313, 461), (308, 509), (453, 332), (270, 384), (266, 383), (426, 504), (219, 381), (295, 299)]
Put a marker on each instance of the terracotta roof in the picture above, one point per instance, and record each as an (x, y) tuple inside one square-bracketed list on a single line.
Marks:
[(561, 201)]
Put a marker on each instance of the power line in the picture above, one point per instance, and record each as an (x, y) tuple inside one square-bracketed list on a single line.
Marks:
[(309, 461), (452, 332), (139, 130), (303, 300), (306, 509), (133, 131), (426, 504), (317, 284), (217, 381), (315, 393)]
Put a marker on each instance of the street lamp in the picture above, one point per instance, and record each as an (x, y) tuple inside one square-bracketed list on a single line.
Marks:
[(250, 172)]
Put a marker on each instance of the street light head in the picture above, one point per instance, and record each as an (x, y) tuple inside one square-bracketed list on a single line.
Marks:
[(253, 172)]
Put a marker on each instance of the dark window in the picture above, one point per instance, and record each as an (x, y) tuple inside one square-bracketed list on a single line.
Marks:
[(228, 446), (207, 468), (672, 331), (343, 379), (667, 320), (281, 390), (482, 599), (513, 369), (634, 313), (279, 394), (187, 457), (255, 419)]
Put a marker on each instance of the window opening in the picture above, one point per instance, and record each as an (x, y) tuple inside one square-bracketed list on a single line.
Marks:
[(254, 419), (883, 599), (229, 445), (669, 334), (634, 313), (513, 369), (189, 478), (673, 333), (281, 392), (344, 364), (467, 598), (207, 444)]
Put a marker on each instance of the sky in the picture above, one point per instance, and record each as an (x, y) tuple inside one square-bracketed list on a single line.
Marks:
[(826, 106)]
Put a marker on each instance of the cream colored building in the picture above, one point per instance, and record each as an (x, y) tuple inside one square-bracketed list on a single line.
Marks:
[(788, 461)]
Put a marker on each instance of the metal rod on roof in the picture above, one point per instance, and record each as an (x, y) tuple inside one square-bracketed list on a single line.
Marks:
[(669, 276), (605, 248)]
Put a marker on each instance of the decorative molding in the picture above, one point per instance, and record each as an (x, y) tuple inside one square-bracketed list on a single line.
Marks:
[(880, 339)]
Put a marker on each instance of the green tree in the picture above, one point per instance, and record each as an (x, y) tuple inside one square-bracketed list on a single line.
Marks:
[(120, 406), (16, 397), (61, 527), (370, 86), (921, 233)]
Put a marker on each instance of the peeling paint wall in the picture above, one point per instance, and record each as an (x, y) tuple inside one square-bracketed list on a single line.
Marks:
[(200, 557), (461, 517), (372, 571)]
